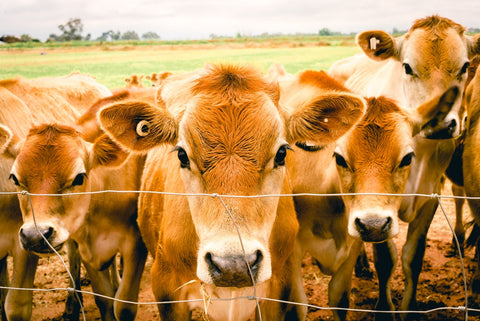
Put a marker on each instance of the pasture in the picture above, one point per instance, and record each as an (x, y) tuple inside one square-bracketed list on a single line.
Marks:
[(441, 283), (110, 67)]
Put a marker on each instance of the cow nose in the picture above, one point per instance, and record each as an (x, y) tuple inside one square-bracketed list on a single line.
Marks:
[(373, 229), (32, 239), (445, 132), (232, 271)]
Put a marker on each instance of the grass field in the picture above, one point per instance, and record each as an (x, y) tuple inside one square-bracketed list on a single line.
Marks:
[(111, 65)]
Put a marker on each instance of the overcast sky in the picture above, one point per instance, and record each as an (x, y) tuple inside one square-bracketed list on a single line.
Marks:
[(198, 19)]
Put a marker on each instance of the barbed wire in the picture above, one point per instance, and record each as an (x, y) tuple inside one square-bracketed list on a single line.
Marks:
[(254, 297)]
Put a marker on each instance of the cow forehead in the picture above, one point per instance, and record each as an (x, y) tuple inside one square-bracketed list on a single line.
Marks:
[(428, 50), (380, 136), (51, 152)]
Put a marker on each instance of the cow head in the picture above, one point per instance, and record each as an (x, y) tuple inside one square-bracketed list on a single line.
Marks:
[(431, 57), (376, 156), (54, 159), (230, 138)]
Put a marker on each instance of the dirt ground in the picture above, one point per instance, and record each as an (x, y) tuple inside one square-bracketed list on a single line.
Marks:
[(440, 284)]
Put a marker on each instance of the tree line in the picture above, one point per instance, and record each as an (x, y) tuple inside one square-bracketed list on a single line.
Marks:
[(73, 30)]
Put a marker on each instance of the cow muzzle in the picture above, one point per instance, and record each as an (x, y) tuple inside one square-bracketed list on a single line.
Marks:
[(373, 227), (42, 239), (234, 270), (227, 264)]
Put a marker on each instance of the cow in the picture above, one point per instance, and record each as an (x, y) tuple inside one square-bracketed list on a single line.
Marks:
[(158, 78), (134, 81), (454, 171), (54, 159), (222, 139), (22, 103), (411, 69), (374, 156), (471, 171)]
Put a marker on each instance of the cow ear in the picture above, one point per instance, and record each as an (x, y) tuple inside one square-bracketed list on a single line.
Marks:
[(9, 143), (137, 125), (473, 45), (378, 45), (106, 152), (325, 118), (434, 111)]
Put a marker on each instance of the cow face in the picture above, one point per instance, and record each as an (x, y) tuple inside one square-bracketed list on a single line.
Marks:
[(376, 156), (231, 139), (54, 159), (430, 58)]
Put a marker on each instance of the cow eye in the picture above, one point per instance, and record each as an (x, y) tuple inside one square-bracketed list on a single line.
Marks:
[(183, 157), (281, 154), (464, 68), (407, 160), (340, 160), (14, 179), (79, 179), (408, 69)]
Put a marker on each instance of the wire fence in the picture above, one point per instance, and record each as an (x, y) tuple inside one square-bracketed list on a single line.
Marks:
[(465, 309)]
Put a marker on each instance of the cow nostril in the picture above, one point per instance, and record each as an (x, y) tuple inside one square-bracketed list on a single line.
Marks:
[(360, 226), (452, 124), (388, 223), (48, 232), (211, 264)]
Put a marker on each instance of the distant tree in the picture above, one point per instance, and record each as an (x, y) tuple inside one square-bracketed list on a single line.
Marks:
[(72, 30), (10, 39), (130, 35), (150, 35), (325, 32), (109, 35)]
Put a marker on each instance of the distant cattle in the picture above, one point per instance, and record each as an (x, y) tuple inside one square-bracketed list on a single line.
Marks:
[(431, 57), (230, 138), (158, 78), (22, 103), (134, 81), (374, 157), (471, 167)]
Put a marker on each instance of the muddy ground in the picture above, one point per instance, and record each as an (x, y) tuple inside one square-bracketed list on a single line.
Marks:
[(440, 285)]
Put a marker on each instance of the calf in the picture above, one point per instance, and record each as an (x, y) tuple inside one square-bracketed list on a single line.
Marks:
[(54, 159), (412, 69), (375, 156), (23, 102), (230, 139), (471, 169)]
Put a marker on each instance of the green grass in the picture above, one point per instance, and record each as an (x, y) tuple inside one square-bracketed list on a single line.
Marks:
[(111, 65)]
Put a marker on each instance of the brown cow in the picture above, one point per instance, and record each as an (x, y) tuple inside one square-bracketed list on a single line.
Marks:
[(229, 137), (412, 69), (23, 102), (54, 159), (375, 156), (471, 168), (157, 79), (134, 81)]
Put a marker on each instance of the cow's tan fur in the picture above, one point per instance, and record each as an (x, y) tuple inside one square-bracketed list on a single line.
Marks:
[(431, 57), (227, 120), (376, 151), (23, 102)]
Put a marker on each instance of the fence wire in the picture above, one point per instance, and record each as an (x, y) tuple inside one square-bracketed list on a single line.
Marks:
[(462, 308)]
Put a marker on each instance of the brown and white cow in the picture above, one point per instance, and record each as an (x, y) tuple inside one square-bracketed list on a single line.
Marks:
[(430, 58), (54, 159), (22, 103), (134, 81), (222, 136), (374, 157)]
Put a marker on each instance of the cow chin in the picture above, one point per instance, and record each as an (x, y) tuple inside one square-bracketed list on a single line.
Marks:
[(42, 239), (373, 227), (224, 263)]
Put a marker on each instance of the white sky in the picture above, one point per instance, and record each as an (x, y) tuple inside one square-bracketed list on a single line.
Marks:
[(197, 19)]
